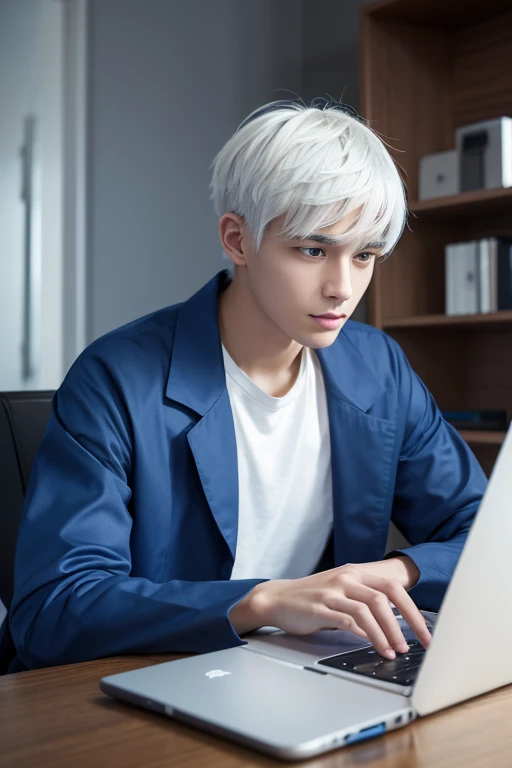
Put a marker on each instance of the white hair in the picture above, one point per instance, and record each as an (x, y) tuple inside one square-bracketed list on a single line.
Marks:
[(315, 166)]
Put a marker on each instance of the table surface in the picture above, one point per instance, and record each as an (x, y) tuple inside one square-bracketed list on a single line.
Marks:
[(59, 717)]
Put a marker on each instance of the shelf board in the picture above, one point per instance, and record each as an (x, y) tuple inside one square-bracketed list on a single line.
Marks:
[(435, 13), (462, 321), (482, 202), (479, 437)]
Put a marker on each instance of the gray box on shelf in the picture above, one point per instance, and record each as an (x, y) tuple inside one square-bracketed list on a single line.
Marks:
[(485, 284), (485, 154), (438, 175)]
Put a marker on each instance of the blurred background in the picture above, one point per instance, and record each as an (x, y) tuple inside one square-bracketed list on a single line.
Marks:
[(111, 112)]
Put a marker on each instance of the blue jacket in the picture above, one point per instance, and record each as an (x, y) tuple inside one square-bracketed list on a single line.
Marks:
[(129, 528)]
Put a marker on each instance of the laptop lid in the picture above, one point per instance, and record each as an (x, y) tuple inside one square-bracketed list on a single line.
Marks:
[(474, 625), (273, 706)]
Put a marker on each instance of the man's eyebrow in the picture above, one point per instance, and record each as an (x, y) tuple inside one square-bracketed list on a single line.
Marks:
[(329, 240), (376, 244)]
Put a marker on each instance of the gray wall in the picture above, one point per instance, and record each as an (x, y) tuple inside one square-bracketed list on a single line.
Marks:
[(330, 49), (170, 82), (19, 97)]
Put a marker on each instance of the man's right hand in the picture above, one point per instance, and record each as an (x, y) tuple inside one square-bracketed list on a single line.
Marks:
[(348, 597)]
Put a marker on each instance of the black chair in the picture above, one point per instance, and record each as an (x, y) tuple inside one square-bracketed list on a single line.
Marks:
[(23, 420)]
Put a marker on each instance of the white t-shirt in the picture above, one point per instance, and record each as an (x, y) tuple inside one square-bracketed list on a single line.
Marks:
[(284, 473)]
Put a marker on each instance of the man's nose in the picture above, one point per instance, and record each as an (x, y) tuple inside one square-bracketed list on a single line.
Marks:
[(339, 284)]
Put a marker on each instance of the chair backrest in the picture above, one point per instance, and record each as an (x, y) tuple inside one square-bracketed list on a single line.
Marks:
[(23, 420)]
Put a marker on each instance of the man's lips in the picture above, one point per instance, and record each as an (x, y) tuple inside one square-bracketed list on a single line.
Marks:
[(330, 316), (329, 322)]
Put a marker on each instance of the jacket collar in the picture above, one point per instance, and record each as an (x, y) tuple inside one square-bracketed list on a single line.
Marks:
[(197, 378)]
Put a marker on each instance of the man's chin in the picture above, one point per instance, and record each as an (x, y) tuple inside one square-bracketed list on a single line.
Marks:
[(322, 340)]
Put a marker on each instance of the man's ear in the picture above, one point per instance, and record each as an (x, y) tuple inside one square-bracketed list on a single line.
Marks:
[(233, 236)]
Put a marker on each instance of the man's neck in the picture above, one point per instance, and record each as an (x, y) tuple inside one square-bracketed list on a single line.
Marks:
[(255, 343)]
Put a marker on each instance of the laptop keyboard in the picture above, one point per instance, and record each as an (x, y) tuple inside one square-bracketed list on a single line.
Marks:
[(366, 661)]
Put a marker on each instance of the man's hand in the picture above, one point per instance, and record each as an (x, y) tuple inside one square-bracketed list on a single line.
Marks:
[(400, 567), (355, 597)]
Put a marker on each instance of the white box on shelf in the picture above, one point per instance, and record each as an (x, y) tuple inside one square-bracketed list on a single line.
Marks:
[(462, 266), (450, 252), (438, 175), (493, 272), (469, 278)]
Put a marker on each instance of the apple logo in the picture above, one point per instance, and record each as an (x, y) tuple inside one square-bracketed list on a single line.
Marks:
[(216, 673)]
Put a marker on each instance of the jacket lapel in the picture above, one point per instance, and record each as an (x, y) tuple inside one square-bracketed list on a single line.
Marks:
[(213, 445), (362, 454), (361, 444), (197, 380)]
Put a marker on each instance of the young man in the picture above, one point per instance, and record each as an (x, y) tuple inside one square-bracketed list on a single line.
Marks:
[(234, 461)]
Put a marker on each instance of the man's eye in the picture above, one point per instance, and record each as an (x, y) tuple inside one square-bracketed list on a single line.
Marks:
[(312, 256), (365, 254)]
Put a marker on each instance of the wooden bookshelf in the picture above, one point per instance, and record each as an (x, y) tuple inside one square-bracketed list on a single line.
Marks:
[(479, 437), (462, 321), (428, 67), (482, 203)]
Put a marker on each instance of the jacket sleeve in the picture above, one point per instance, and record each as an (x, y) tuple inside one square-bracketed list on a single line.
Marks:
[(74, 598), (439, 486)]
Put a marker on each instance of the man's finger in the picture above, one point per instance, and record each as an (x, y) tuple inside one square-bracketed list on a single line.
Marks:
[(363, 619), (405, 604), (379, 605)]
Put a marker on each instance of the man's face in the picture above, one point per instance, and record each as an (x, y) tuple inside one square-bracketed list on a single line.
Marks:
[(292, 280)]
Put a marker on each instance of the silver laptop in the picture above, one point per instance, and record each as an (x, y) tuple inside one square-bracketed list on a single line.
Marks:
[(296, 697)]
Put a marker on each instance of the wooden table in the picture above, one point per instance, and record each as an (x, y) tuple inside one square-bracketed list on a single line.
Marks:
[(58, 717)]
